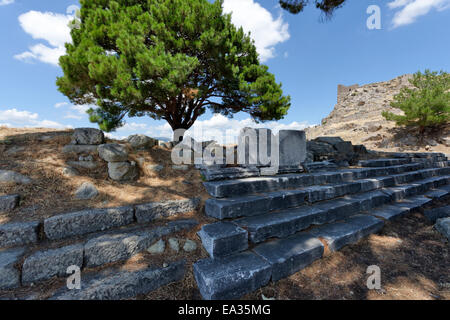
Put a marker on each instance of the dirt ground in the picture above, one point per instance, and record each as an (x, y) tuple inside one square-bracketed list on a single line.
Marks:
[(37, 154)]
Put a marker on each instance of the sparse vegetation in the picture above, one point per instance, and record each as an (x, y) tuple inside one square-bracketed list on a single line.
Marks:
[(426, 105)]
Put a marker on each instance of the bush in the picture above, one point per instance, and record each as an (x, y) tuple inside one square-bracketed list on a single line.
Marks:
[(426, 105)]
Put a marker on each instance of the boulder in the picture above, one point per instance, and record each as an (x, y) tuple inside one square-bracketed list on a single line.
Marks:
[(140, 141), (80, 149), (9, 202), (7, 176), (113, 152), (122, 171), (157, 248), (9, 275), (86, 191), (70, 172), (443, 226), (88, 136), (174, 244)]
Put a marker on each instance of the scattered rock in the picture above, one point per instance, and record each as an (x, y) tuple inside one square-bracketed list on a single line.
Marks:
[(155, 167), (9, 202), (70, 172), (18, 234), (86, 191), (86, 158), (89, 136), (158, 247), (9, 275), (180, 167), (174, 244), (122, 171), (443, 226), (190, 246), (8, 176), (113, 152), (140, 141)]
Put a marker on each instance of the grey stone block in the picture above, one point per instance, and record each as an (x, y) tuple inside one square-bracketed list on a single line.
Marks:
[(8, 176), (18, 234), (254, 147), (370, 200), (320, 166), (223, 238), (437, 213), (338, 209), (9, 275), (88, 136), (338, 235), (9, 202), (414, 203), (281, 224), (383, 162), (290, 255), (390, 212), (87, 221), (157, 210), (125, 284), (443, 226), (44, 265), (86, 191), (292, 148), (122, 171), (231, 277), (236, 207), (113, 152), (437, 194)]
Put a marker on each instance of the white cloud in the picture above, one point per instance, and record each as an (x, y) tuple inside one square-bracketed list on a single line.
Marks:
[(265, 29), (50, 27), (60, 104), (23, 118), (6, 2), (410, 10), (223, 129)]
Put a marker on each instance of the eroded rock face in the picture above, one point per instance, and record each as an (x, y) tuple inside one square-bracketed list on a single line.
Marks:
[(122, 171), (88, 136), (113, 152)]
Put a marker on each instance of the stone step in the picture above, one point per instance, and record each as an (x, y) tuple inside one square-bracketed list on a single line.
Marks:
[(240, 187), (231, 277), (338, 235), (435, 214), (426, 155), (223, 238), (95, 251), (401, 192), (259, 204), (440, 193), (383, 162), (290, 255), (285, 223), (118, 284), (214, 174)]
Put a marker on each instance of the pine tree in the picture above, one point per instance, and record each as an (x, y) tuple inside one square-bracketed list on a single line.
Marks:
[(326, 6), (166, 59), (426, 105)]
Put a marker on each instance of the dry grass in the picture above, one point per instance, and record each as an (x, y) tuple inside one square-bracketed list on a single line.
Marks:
[(38, 155)]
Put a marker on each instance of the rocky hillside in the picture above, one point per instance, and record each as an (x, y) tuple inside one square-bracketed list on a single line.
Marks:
[(357, 118)]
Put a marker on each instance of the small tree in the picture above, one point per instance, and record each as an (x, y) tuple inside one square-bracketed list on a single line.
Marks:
[(166, 59), (426, 105)]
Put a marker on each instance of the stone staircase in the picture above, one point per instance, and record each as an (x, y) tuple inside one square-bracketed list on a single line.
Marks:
[(271, 227), (32, 252)]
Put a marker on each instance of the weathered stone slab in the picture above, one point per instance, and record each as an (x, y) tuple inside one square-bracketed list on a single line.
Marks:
[(213, 174), (113, 152), (157, 210), (437, 213), (125, 284), (443, 226), (44, 265), (223, 238), (231, 277), (281, 224), (18, 234), (290, 255), (9, 202), (390, 212), (292, 148), (87, 221), (320, 166), (414, 203), (337, 209), (8, 176), (437, 194), (9, 275), (78, 149), (88, 136), (370, 200), (338, 235), (254, 147)]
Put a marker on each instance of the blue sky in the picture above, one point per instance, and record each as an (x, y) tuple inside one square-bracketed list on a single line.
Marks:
[(308, 56)]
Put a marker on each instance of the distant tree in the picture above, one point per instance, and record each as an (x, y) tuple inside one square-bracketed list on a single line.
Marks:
[(326, 6), (426, 105), (166, 59)]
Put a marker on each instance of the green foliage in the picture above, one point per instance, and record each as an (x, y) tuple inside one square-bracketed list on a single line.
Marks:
[(326, 6), (166, 59), (426, 105)]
